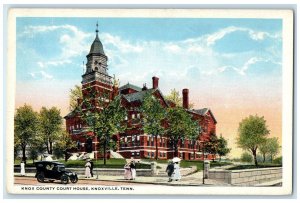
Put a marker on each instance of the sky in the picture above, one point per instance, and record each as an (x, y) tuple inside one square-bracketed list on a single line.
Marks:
[(232, 66)]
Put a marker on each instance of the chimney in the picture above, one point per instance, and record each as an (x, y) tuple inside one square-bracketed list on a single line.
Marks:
[(185, 98), (144, 87), (155, 82)]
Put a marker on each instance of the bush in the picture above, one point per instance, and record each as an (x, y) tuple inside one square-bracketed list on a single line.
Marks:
[(246, 157), (278, 160)]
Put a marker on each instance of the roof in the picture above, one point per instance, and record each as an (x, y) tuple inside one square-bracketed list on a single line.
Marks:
[(97, 47), (71, 114), (128, 85), (137, 96), (203, 112)]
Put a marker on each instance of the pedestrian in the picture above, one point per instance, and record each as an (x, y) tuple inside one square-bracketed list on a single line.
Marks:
[(88, 169), (22, 168), (170, 170), (127, 172), (133, 168), (92, 167), (176, 175)]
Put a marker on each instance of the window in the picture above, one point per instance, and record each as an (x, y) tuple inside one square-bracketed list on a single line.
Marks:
[(138, 138), (133, 116), (152, 154), (138, 115), (160, 154), (126, 118), (149, 154)]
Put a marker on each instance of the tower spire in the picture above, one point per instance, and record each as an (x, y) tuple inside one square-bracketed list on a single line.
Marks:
[(97, 28)]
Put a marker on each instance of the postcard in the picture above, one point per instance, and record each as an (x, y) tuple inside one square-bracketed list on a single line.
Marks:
[(149, 101)]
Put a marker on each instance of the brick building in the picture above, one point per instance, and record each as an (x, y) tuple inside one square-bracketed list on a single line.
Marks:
[(134, 142)]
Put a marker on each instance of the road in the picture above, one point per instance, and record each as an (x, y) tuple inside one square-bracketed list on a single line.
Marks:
[(33, 181)]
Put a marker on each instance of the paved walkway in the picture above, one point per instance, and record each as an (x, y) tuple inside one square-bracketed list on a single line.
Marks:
[(194, 179)]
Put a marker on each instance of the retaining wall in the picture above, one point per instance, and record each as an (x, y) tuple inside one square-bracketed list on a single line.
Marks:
[(246, 177)]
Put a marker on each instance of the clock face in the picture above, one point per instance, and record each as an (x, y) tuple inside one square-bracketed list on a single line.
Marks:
[(96, 62)]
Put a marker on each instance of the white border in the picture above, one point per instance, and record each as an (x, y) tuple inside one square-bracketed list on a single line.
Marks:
[(285, 15)]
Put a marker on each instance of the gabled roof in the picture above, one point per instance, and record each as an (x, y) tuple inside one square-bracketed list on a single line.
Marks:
[(203, 112), (70, 115), (128, 85), (139, 96)]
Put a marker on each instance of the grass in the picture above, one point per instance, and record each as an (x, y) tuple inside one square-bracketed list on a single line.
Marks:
[(242, 167), (110, 163)]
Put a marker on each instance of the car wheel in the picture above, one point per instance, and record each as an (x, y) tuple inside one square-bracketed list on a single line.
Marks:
[(40, 177), (64, 179), (74, 179)]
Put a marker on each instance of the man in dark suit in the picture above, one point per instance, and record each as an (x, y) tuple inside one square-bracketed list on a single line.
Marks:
[(170, 170)]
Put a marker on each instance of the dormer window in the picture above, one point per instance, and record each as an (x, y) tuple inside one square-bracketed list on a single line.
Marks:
[(96, 62)]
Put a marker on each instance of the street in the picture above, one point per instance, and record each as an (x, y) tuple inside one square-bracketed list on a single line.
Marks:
[(33, 181)]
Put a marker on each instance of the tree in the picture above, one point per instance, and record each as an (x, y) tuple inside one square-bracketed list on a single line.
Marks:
[(180, 126), (211, 146), (103, 116), (26, 127), (223, 149), (274, 147), (246, 157), (174, 97), (75, 94), (252, 133), (153, 115), (51, 126), (63, 144)]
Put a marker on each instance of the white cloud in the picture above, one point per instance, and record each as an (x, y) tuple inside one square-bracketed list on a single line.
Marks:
[(72, 44), (122, 45), (211, 39), (173, 48), (53, 63), (41, 75)]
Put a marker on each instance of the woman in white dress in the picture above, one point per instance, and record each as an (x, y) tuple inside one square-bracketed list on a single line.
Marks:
[(88, 169), (22, 168), (176, 175)]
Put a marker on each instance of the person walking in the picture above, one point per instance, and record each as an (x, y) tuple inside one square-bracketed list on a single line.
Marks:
[(133, 169), (92, 167), (88, 169), (127, 172), (170, 170), (176, 176), (22, 168)]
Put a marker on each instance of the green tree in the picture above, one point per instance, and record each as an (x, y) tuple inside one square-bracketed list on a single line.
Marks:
[(246, 157), (274, 147), (103, 116), (211, 146), (252, 133), (51, 126), (175, 97), (153, 115), (223, 149), (63, 144), (26, 125), (75, 93), (180, 126)]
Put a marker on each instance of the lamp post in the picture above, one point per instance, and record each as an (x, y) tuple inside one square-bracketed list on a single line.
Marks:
[(96, 156), (203, 149)]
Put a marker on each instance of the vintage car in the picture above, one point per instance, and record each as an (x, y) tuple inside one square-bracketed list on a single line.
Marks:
[(52, 170)]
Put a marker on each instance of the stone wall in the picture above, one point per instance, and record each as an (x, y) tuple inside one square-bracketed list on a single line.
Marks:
[(246, 177)]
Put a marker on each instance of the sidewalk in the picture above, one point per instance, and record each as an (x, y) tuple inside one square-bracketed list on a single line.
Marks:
[(190, 180)]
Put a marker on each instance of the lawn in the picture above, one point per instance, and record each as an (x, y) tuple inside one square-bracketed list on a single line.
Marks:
[(110, 163)]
